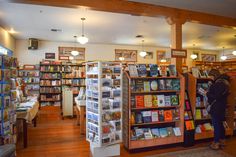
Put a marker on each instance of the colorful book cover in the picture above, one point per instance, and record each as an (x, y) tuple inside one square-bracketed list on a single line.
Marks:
[(161, 115), (172, 70), (174, 100), (155, 132), (161, 100), (188, 125), (168, 84), (133, 102), (198, 102), (154, 116), (153, 70), (198, 114), (170, 131), (163, 132), (146, 85), (163, 70), (139, 86), (167, 100), (154, 85), (147, 133), (176, 114), (142, 70), (139, 101), (186, 117), (139, 133), (148, 100), (154, 101), (147, 116), (175, 84), (198, 129), (204, 113), (195, 72), (190, 115), (187, 105), (138, 118), (161, 84), (168, 115), (177, 131), (208, 127)]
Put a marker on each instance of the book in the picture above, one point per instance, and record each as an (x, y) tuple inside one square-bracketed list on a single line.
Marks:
[(187, 105), (208, 127), (142, 70), (168, 84), (148, 100), (163, 132), (146, 85), (189, 125), (198, 102), (154, 101), (163, 70), (175, 84), (186, 117), (204, 113), (139, 86), (174, 99), (167, 100), (138, 118), (198, 114), (176, 114), (177, 131), (154, 116), (161, 84), (153, 70), (161, 115), (154, 85), (198, 129), (161, 100), (168, 115), (155, 132), (147, 116), (195, 72), (147, 133), (172, 70), (190, 115), (170, 131), (139, 101), (139, 133), (133, 102)]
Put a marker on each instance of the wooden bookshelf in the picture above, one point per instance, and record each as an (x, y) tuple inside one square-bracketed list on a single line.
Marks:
[(128, 125)]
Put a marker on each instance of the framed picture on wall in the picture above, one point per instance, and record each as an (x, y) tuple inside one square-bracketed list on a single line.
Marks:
[(127, 55), (66, 51), (208, 57), (49, 55), (149, 55)]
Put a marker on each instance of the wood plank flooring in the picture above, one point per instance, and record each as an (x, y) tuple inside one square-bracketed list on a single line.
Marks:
[(54, 137)]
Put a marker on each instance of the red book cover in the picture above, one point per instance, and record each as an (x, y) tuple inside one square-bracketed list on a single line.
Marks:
[(139, 101), (168, 115)]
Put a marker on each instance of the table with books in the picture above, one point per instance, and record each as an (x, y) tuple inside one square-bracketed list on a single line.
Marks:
[(81, 114), (26, 113)]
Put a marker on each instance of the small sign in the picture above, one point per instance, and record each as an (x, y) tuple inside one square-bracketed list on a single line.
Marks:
[(29, 67), (178, 53), (49, 55), (65, 58)]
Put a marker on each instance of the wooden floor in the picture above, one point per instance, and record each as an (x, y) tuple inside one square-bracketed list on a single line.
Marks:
[(54, 137)]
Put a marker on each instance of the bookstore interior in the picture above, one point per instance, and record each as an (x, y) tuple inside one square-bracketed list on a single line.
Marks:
[(77, 79)]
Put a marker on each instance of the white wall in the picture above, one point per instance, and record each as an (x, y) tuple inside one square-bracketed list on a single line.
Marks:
[(6, 40)]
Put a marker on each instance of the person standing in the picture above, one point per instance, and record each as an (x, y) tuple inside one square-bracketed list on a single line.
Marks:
[(217, 99)]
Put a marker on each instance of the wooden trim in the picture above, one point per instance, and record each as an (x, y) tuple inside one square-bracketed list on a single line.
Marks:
[(139, 9)]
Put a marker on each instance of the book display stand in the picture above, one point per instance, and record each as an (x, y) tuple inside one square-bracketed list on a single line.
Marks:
[(104, 107)]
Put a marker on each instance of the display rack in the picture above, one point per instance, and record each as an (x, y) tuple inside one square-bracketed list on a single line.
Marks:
[(8, 74), (198, 103), (50, 83), (103, 107), (30, 76), (173, 121)]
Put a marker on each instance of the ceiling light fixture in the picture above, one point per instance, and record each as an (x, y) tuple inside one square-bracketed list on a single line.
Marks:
[(121, 58), (74, 52), (223, 57), (82, 39), (163, 60), (193, 56), (234, 52), (142, 53)]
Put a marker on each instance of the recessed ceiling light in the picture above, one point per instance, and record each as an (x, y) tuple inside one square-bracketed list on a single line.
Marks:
[(56, 30)]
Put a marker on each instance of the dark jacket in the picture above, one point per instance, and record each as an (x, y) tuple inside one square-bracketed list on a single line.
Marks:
[(217, 97)]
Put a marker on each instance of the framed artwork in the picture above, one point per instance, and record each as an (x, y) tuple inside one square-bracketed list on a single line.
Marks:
[(149, 55), (161, 54), (66, 51), (49, 55), (208, 57), (129, 55)]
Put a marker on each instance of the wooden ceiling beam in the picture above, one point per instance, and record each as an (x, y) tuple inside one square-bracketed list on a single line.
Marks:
[(139, 9)]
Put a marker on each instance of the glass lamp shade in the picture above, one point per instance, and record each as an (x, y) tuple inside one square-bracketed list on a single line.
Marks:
[(143, 53), (234, 52), (82, 40), (121, 58), (74, 53), (223, 57), (163, 60), (193, 56)]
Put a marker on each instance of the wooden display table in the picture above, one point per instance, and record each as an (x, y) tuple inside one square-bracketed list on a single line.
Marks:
[(81, 114)]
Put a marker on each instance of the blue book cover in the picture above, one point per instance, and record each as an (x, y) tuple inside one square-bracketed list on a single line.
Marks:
[(155, 132), (142, 70), (163, 132), (153, 70)]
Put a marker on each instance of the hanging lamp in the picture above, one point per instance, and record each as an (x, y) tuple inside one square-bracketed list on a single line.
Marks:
[(142, 53), (193, 56), (223, 57), (74, 52), (82, 39)]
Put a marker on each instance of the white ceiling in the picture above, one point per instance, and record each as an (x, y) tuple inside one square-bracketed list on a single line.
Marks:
[(217, 7), (33, 21)]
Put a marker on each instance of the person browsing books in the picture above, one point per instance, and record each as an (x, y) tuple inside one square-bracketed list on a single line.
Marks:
[(217, 100)]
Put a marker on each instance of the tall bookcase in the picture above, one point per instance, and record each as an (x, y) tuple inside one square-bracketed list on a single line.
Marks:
[(131, 126), (103, 106), (30, 75), (8, 100), (50, 83), (197, 104)]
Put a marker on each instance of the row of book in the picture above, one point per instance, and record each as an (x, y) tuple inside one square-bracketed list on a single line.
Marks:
[(198, 73), (140, 85), (50, 89), (7, 62), (7, 74), (152, 70), (31, 80), (201, 114), (49, 62), (111, 69), (50, 82), (155, 116), (203, 128), (51, 98), (151, 133), (32, 87), (142, 101), (49, 68), (50, 75), (22, 73), (201, 101), (189, 125), (108, 82)]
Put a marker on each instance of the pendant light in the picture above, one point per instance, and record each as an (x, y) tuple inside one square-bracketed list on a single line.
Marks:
[(142, 53), (193, 56), (223, 57), (74, 52), (82, 39), (234, 52)]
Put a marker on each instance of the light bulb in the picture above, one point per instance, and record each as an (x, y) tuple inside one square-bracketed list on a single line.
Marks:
[(193, 56), (74, 53), (163, 60), (234, 52), (121, 58), (71, 58), (82, 40), (223, 57), (143, 53)]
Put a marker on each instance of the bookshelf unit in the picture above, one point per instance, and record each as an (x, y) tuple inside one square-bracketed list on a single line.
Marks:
[(8, 100), (103, 106), (130, 112), (30, 75), (197, 103), (50, 83)]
